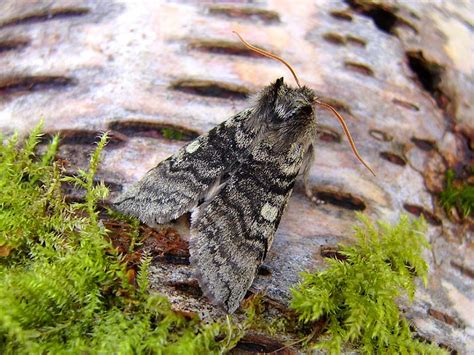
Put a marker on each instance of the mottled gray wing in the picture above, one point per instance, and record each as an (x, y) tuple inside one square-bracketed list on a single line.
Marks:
[(231, 233), (177, 184)]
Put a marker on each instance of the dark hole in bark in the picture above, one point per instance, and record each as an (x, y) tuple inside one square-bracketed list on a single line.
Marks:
[(383, 19), (332, 251), (341, 199), (359, 68), (327, 134), (469, 141), (13, 44), (429, 74), (443, 317), (256, 343), (45, 15), (380, 135), (247, 13), (393, 158), (337, 104), (463, 269), (14, 84), (418, 211), (334, 38), (423, 144), (190, 287), (382, 15), (135, 128), (406, 104), (223, 47), (172, 258), (211, 89), (341, 15), (264, 270), (414, 15), (356, 40)]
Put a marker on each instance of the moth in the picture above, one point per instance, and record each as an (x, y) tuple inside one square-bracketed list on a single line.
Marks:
[(236, 181)]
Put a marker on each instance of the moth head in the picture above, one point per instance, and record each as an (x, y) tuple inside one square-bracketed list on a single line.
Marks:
[(283, 105)]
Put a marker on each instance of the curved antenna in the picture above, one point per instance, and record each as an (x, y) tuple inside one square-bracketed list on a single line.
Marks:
[(268, 54), (323, 104), (346, 132)]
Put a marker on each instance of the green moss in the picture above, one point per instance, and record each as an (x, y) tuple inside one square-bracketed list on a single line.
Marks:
[(179, 134), (356, 297), (63, 287), (457, 195), (174, 134), (259, 320)]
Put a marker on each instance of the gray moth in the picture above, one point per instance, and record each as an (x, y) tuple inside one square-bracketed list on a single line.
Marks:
[(236, 181)]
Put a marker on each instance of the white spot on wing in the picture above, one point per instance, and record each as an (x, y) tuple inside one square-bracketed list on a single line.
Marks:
[(269, 212)]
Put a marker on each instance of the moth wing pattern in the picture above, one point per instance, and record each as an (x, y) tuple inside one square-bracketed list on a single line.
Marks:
[(232, 232), (237, 180), (177, 184)]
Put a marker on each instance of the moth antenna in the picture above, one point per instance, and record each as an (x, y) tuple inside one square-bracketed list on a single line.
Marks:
[(268, 54), (346, 132)]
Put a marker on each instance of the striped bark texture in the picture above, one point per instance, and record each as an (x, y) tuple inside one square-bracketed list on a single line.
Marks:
[(400, 72)]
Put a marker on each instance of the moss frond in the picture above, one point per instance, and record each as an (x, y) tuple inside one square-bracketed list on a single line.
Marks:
[(458, 195), (357, 296), (63, 286)]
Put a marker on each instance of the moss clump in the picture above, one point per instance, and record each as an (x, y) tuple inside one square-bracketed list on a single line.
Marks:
[(173, 134), (356, 296), (274, 323), (63, 287), (458, 195)]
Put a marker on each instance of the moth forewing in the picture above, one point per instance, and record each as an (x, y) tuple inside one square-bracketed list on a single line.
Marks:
[(177, 184)]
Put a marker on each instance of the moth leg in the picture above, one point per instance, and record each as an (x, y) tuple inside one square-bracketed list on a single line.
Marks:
[(308, 160)]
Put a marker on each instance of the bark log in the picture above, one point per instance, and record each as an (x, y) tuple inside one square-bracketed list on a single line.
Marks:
[(400, 72)]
